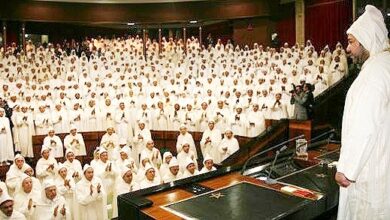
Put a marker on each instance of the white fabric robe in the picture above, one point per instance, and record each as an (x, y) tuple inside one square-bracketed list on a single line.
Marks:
[(16, 215), (60, 121), (45, 209), (55, 144), (210, 148), (123, 125), (42, 123), (110, 142), (73, 167), (187, 137), (25, 127), (67, 193), (90, 206), (41, 168), (226, 148), (21, 200), (256, 123), (78, 146), (6, 149), (365, 151), (13, 178)]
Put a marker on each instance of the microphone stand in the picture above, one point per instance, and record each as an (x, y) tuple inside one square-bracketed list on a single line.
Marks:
[(269, 180), (268, 150)]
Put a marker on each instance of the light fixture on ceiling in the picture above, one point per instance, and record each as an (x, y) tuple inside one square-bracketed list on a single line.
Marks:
[(193, 22), (388, 14), (131, 24)]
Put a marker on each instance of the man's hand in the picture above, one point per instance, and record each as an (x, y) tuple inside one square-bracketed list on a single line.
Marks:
[(63, 210), (55, 211), (342, 180)]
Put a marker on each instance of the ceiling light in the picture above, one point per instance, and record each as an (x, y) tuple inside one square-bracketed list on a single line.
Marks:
[(193, 22), (131, 23)]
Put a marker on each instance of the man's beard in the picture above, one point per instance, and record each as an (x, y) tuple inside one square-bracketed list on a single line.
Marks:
[(363, 55)]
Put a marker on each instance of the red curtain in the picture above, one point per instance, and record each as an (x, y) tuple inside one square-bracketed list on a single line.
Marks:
[(326, 22), (285, 24)]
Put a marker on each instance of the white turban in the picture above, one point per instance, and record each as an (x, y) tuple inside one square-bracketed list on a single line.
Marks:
[(370, 30), (48, 183)]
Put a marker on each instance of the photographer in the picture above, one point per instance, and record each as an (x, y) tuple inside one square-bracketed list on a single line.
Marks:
[(303, 100)]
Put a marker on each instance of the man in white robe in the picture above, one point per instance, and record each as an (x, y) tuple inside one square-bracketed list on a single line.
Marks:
[(46, 166), (42, 121), (51, 205), (184, 154), (228, 146), (92, 118), (66, 187), (75, 141), (73, 165), (185, 137), (26, 197), (6, 149), (141, 135), (239, 122), (125, 184), (362, 170), (256, 121), (60, 119), (152, 153), (7, 211), (173, 173), (160, 117), (13, 176), (76, 116), (211, 138), (90, 197), (110, 141), (25, 129), (107, 172), (208, 165), (123, 123), (54, 143)]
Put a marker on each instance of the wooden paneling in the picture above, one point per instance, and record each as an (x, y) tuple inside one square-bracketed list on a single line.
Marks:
[(123, 13)]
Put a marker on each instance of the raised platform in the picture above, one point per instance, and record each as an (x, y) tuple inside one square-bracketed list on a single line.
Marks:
[(239, 201)]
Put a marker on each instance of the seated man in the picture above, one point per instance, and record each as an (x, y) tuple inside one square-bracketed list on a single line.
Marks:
[(173, 172), (55, 143), (227, 147), (46, 165), (208, 165), (51, 205), (7, 211), (109, 141), (75, 141), (90, 197)]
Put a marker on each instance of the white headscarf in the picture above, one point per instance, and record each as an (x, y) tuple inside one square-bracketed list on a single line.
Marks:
[(370, 30)]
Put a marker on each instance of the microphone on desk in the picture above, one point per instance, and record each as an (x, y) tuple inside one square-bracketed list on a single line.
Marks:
[(269, 180), (270, 149)]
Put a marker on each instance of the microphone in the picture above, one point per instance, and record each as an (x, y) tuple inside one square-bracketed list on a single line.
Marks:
[(269, 180), (270, 149)]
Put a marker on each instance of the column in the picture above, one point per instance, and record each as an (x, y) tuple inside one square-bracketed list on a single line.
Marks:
[(144, 41), (200, 36), (24, 36), (4, 35), (300, 21), (185, 39), (159, 41)]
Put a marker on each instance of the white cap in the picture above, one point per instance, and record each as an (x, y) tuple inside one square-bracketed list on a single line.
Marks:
[(48, 183), (370, 30)]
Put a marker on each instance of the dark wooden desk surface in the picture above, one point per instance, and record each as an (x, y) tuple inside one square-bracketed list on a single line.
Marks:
[(175, 195)]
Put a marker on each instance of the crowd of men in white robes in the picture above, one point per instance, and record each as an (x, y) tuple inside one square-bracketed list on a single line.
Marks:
[(221, 91), (188, 84)]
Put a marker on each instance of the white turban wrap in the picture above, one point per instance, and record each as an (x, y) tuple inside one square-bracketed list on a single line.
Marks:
[(370, 30)]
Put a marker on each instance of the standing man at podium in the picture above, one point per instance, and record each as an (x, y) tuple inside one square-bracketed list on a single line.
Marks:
[(365, 153)]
